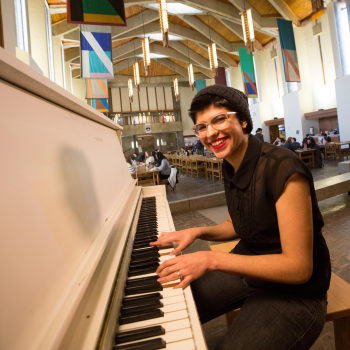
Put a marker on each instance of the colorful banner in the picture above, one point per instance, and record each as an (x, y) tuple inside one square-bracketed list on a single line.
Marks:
[(100, 105), (101, 12), (200, 84), (96, 52), (248, 73), (289, 50), (97, 88)]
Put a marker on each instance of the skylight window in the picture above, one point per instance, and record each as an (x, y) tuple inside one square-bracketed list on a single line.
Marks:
[(153, 55), (178, 9)]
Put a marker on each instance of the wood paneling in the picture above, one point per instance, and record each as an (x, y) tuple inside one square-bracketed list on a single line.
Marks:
[(235, 57), (196, 48), (216, 26), (120, 42), (183, 65), (156, 70), (178, 21), (262, 38), (324, 113), (160, 98), (328, 124), (277, 121), (264, 8), (58, 17), (301, 8)]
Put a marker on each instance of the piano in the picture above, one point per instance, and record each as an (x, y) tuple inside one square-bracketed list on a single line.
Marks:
[(76, 270)]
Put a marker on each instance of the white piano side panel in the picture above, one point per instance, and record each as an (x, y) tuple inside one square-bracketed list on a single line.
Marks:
[(169, 98), (160, 98), (135, 104), (62, 175), (143, 99), (116, 100), (152, 99), (125, 99)]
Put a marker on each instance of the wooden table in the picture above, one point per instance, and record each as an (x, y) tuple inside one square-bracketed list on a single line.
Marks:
[(307, 154), (150, 176), (338, 147)]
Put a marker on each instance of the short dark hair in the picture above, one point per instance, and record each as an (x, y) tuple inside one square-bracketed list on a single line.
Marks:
[(203, 102), (293, 138), (258, 129)]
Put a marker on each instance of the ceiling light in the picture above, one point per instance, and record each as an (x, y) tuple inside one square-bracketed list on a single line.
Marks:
[(213, 59), (163, 21), (146, 54), (248, 30), (177, 8), (136, 76), (191, 76), (131, 92)]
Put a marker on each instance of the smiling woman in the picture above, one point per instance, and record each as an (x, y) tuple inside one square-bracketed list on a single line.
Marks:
[(279, 272)]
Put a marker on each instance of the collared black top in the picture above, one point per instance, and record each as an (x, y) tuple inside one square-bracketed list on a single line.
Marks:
[(251, 194)]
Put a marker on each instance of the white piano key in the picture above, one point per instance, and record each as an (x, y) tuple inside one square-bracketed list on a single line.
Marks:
[(166, 293), (171, 316), (176, 325), (173, 300), (183, 345), (174, 307)]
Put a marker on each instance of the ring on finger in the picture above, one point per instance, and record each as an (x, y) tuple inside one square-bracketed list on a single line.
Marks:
[(180, 275)]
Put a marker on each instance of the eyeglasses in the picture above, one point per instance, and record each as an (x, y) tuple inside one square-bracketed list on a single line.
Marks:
[(218, 122)]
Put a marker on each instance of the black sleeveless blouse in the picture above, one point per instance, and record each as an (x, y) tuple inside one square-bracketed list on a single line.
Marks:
[(251, 194)]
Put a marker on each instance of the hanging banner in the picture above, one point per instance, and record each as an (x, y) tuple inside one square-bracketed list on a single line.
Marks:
[(101, 12), (248, 73), (289, 50), (100, 105), (96, 52), (97, 88), (200, 84), (148, 128)]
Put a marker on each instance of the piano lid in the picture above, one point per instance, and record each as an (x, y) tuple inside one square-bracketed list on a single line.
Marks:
[(63, 175)]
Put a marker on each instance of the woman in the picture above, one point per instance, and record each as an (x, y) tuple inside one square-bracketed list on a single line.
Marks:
[(279, 272), (149, 158), (277, 142), (184, 152), (311, 143), (163, 166), (129, 163)]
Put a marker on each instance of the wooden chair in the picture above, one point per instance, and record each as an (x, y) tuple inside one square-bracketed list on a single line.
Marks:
[(189, 166), (208, 168), (170, 159), (338, 308), (221, 175), (216, 169), (330, 151), (183, 164), (344, 152), (309, 158), (197, 167)]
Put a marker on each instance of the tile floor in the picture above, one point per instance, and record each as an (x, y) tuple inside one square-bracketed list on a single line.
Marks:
[(336, 215)]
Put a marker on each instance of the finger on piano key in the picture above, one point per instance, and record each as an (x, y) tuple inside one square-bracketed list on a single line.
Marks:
[(171, 316)]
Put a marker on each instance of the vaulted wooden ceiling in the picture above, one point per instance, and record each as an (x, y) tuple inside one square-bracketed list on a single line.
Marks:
[(219, 22)]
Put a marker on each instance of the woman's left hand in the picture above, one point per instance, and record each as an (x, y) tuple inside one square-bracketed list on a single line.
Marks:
[(190, 266)]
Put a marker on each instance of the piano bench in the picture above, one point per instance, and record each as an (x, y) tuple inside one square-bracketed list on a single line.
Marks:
[(338, 308)]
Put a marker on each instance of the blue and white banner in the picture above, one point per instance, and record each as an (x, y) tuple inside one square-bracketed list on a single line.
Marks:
[(96, 52)]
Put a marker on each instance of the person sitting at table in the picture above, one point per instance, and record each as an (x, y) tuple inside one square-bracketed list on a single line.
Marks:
[(280, 141), (325, 138), (163, 166), (288, 143), (129, 163), (295, 145), (137, 156), (311, 143), (184, 152), (149, 158)]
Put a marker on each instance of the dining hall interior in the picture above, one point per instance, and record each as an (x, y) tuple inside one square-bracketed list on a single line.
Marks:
[(96, 137)]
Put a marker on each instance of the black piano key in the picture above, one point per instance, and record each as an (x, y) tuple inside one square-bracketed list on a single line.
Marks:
[(139, 300), (138, 334), (147, 220), (148, 249), (143, 245), (145, 234), (144, 265), (144, 239), (141, 280), (141, 272), (147, 288), (143, 252), (146, 228), (147, 315), (132, 310), (146, 260), (144, 257)]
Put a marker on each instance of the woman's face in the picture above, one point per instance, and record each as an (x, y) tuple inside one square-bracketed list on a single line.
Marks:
[(222, 143), (308, 141), (146, 154)]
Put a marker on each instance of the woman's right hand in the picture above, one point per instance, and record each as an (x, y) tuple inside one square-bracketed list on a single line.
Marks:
[(183, 238)]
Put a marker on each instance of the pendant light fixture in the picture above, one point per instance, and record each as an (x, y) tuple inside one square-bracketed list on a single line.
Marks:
[(130, 88), (145, 49), (163, 21), (248, 29), (176, 86), (213, 58), (190, 70), (136, 71)]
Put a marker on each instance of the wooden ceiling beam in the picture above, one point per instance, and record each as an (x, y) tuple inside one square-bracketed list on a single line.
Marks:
[(226, 59), (282, 7), (63, 27), (130, 54), (148, 29), (203, 28), (125, 64), (72, 54), (188, 34), (176, 68), (126, 48)]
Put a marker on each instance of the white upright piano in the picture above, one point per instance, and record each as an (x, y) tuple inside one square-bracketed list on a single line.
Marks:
[(69, 213)]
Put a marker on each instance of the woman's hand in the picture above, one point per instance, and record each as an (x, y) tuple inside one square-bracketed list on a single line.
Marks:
[(183, 238), (190, 266)]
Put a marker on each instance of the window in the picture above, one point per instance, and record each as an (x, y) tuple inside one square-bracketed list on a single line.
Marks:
[(22, 25), (342, 26), (49, 42), (63, 67)]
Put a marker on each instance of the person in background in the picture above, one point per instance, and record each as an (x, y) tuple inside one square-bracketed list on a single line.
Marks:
[(310, 143), (137, 157), (295, 145), (154, 154), (149, 158), (307, 137), (288, 144), (200, 148), (280, 141), (184, 152), (259, 134), (128, 162), (163, 166), (325, 138)]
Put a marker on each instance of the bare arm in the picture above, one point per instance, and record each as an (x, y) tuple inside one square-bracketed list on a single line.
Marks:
[(294, 265)]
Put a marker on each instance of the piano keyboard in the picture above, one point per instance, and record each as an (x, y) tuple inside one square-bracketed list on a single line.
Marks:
[(153, 316)]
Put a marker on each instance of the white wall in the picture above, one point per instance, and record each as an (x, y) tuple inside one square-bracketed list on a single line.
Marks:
[(186, 97), (292, 116), (342, 86), (38, 38), (9, 25), (79, 88), (57, 59), (236, 78)]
